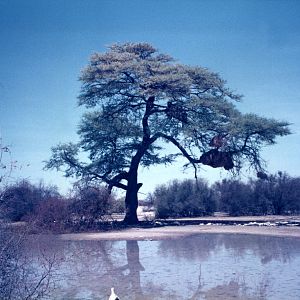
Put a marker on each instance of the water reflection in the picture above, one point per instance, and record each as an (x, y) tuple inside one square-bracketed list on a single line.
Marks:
[(134, 268), (240, 266), (234, 289), (207, 266), (202, 246)]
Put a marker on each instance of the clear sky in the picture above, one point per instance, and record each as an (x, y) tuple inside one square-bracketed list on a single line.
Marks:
[(254, 45)]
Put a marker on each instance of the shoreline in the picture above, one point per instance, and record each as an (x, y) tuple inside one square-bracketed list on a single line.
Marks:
[(173, 232)]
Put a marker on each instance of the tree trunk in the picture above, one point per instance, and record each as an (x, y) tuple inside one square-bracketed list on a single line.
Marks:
[(131, 199)]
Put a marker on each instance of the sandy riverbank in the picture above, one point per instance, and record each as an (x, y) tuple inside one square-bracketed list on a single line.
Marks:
[(166, 232), (181, 231)]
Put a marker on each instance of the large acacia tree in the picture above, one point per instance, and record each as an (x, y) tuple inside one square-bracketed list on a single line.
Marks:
[(139, 99)]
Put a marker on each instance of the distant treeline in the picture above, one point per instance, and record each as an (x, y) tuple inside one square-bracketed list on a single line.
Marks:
[(88, 205), (276, 194)]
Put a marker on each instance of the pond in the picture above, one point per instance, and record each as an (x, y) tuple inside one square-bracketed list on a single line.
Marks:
[(204, 266)]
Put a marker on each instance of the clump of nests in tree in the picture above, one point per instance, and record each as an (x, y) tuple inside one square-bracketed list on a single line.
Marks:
[(216, 158)]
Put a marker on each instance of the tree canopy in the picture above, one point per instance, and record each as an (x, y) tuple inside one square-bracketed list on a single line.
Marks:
[(137, 99)]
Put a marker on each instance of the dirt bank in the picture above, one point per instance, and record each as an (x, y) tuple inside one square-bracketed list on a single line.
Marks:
[(181, 231)]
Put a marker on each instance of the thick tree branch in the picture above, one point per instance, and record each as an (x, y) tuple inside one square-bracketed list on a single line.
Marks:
[(114, 182), (191, 159), (148, 112)]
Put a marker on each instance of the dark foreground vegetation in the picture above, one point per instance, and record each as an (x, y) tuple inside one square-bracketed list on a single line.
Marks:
[(23, 275)]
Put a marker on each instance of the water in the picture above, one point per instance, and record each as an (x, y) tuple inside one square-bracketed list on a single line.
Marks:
[(206, 266)]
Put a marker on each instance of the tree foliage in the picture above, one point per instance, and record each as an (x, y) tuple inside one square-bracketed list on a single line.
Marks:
[(138, 100)]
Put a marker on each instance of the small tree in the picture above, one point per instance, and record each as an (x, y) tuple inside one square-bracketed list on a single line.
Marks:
[(260, 202), (294, 205), (141, 100)]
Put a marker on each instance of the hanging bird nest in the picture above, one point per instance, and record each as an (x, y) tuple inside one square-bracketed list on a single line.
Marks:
[(217, 159)]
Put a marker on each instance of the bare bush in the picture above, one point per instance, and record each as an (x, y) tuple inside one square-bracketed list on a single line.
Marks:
[(7, 164), (22, 276)]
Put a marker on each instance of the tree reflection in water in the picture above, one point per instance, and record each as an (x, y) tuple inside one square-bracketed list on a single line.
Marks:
[(88, 269), (131, 270), (207, 266)]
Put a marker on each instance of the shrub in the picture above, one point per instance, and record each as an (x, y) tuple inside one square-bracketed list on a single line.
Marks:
[(275, 194), (52, 214), (183, 199), (117, 205), (294, 203), (262, 203), (20, 200), (20, 278), (91, 203), (282, 192), (234, 197)]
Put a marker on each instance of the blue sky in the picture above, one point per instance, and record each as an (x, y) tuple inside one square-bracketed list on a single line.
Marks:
[(254, 45)]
